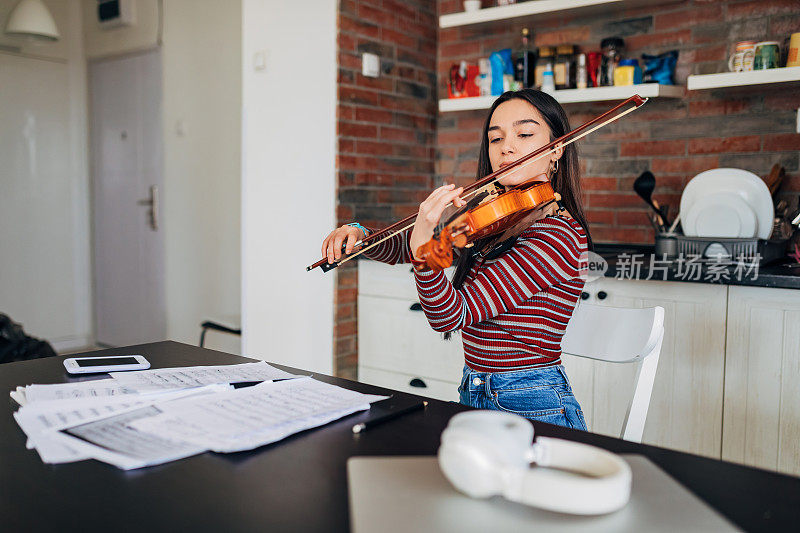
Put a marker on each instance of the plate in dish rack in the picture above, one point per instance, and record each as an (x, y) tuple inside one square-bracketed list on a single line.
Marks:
[(727, 202)]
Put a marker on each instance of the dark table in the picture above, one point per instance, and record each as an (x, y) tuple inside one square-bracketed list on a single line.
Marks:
[(300, 483)]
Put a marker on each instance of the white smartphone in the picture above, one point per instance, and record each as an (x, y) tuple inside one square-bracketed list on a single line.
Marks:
[(105, 363)]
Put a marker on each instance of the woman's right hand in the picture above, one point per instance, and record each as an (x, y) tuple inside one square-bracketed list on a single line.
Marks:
[(430, 212), (332, 245)]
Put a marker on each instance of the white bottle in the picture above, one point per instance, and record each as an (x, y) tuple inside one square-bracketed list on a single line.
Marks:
[(548, 79), (485, 77), (580, 75)]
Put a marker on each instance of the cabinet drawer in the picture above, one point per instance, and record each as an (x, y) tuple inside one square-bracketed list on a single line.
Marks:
[(388, 281), (393, 337), (434, 388)]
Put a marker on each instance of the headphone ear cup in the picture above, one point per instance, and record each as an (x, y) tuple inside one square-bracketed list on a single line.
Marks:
[(469, 468), (481, 448)]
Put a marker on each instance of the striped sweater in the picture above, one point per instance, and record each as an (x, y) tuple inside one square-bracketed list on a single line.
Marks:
[(513, 310)]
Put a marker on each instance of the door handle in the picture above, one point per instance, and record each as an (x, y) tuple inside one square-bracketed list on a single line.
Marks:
[(152, 203)]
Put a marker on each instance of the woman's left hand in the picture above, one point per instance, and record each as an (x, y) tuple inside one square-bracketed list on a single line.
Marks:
[(430, 212)]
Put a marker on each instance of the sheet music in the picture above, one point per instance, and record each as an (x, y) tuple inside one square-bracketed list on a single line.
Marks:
[(115, 441), (195, 376), (70, 391), (136, 430), (37, 419), (247, 418)]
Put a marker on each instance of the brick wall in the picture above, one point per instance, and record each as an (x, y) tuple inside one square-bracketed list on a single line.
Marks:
[(386, 131), (750, 128), (394, 147)]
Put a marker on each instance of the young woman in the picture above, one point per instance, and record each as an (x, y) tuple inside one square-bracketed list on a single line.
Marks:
[(512, 302)]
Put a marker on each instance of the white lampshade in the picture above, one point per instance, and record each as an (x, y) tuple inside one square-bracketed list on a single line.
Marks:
[(32, 19)]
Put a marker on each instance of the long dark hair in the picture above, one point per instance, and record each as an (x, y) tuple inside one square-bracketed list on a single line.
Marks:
[(565, 181)]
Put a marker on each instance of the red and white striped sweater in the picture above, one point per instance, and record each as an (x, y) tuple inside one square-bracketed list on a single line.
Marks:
[(513, 310)]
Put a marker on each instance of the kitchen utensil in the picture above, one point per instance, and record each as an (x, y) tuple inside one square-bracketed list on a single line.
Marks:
[(472, 5), (664, 210), (794, 218), (722, 214), (775, 178), (644, 186), (767, 55), (742, 58), (752, 190), (674, 223), (654, 222)]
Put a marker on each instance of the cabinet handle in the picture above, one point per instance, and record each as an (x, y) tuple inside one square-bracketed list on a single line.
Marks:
[(584, 295), (416, 382), (602, 295), (415, 307)]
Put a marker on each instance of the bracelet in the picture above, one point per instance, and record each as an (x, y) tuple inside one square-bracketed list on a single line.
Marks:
[(364, 230)]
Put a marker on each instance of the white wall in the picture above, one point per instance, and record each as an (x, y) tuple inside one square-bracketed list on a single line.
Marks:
[(45, 279), (44, 215), (202, 173), (142, 35), (289, 135)]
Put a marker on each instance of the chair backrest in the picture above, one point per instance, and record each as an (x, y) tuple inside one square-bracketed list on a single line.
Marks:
[(620, 335)]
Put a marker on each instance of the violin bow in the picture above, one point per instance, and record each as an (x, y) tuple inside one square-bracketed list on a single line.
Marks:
[(550, 148)]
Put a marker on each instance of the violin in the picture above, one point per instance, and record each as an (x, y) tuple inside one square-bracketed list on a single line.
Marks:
[(488, 212), (484, 216)]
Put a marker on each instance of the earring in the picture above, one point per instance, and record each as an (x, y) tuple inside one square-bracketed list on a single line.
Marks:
[(554, 167)]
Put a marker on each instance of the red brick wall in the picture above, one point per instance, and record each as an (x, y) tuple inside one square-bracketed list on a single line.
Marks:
[(394, 147), (750, 128), (386, 131)]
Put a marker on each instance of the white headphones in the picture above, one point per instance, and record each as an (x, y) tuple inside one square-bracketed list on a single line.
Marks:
[(484, 453)]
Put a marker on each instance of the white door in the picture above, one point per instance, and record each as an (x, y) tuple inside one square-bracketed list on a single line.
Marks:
[(129, 302)]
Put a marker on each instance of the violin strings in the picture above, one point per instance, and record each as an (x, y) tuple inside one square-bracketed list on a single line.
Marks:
[(473, 192)]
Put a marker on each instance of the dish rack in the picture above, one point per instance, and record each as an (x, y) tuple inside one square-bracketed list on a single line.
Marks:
[(710, 248)]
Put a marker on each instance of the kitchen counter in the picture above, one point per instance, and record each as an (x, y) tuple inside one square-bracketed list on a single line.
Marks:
[(633, 261)]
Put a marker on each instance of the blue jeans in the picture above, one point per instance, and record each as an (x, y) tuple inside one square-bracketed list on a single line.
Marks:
[(542, 394)]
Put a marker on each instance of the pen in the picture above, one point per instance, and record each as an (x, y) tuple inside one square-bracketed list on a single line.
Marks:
[(358, 428)]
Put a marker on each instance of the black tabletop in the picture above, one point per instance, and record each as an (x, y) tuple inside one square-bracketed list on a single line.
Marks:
[(299, 483)]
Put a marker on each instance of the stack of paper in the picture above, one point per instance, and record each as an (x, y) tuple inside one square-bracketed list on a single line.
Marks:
[(150, 417)]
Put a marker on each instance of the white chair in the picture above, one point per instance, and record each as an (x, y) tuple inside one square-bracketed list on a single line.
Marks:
[(620, 335)]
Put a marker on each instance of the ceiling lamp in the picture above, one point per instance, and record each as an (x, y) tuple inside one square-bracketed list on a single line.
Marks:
[(32, 19)]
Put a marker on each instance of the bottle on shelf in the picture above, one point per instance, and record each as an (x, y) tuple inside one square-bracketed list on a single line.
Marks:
[(564, 70), (548, 79), (545, 58), (525, 62), (628, 72), (613, 48), (581, 81)]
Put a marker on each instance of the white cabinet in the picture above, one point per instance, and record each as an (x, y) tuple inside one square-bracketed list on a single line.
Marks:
[(686, 406), (731, 346), (761, 424), (397, 348)]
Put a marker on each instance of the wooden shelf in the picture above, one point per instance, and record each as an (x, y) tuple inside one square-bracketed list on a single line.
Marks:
[(532, 8), (741, 79), (572, 96)]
